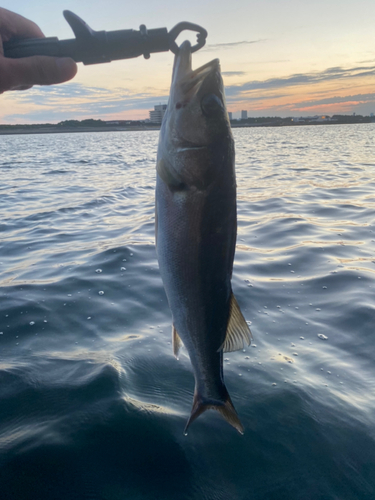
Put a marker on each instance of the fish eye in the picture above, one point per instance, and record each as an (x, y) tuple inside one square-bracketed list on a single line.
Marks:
[(211, 105)]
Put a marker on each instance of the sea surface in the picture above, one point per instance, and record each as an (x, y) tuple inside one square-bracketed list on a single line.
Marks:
[(92, 402)]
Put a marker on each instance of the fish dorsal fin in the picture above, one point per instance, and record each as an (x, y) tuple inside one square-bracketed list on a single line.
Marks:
[(176, 342), (238, 331)]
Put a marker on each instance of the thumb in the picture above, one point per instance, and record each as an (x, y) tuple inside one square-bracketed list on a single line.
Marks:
[(35, 70)]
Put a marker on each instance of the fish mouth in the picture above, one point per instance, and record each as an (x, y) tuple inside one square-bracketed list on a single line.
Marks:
[(189, 81)]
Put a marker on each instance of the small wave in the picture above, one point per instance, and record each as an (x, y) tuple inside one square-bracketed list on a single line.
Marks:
[(58, 172)]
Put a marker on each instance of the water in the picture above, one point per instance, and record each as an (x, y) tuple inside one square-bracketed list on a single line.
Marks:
[(93, 403)]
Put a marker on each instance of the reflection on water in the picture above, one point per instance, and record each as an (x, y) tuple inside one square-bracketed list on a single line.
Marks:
[(93, 403)]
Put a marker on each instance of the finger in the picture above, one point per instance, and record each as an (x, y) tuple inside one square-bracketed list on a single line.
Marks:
[(14, 25), (36, 70)]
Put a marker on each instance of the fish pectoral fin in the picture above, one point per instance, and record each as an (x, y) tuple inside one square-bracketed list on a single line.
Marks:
[(168, 175), (176, 342), (238, 332)]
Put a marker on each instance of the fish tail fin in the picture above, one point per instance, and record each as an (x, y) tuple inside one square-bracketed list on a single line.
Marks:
[(229, 413), (224, 407)]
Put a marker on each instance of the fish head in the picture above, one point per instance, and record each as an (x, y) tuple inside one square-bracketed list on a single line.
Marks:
[(196, 112)]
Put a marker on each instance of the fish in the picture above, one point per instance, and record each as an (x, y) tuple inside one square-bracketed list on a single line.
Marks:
[(196, 228)]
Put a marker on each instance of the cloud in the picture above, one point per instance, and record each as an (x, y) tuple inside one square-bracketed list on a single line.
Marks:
[(233, 73), (367, 61), (357, 98), (74, 100), (327, 75), (231, 45), (290, 106), (255, 97), (48, 95), (77, 101)]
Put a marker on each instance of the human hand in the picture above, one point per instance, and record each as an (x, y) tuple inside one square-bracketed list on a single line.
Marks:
[(22, 74)]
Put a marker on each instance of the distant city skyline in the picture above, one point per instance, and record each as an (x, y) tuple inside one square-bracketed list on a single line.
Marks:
[(290, 58)]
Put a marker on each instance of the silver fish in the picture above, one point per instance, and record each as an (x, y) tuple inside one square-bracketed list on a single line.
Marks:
[(196, 227)]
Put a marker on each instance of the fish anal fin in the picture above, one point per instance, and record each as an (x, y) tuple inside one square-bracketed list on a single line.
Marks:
[(225, 408), (238, 332), (176, 342)]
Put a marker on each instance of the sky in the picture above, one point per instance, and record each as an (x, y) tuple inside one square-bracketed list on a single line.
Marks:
[(278, 58)]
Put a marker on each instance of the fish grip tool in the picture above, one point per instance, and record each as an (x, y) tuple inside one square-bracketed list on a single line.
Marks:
[(94, 47)]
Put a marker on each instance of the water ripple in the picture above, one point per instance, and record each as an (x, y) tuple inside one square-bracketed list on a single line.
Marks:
[(91, 397)]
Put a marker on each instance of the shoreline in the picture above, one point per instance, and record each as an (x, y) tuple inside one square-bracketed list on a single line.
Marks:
[(55, 129), (68, 130)]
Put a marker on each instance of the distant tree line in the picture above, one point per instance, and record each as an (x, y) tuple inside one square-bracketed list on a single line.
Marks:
[(89, 122), (259, 121), (278, 121)]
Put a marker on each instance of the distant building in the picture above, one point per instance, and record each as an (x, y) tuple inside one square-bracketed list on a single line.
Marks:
[(156, 115), (230, 114), (312, 119), (323, 119), (243, 115)]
